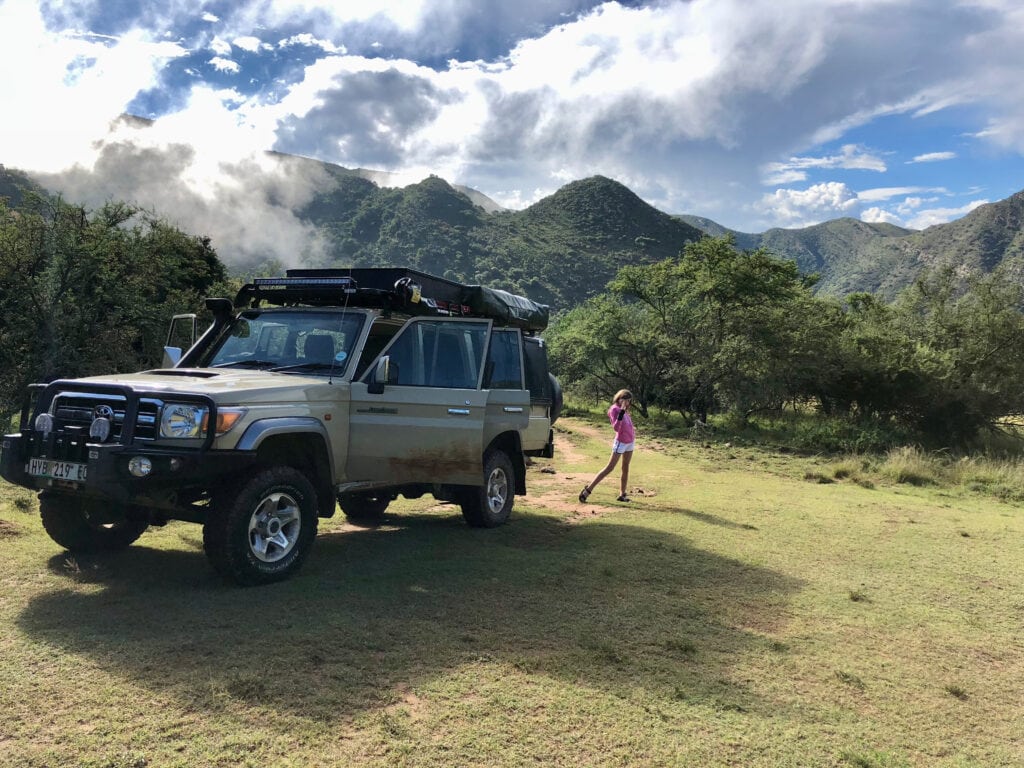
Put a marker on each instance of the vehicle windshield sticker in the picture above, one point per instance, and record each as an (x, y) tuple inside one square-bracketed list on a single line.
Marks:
[(340, 357)]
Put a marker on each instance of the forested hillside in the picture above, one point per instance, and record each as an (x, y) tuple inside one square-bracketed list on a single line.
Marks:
[(851, 255), (559, 251), (566, 247)]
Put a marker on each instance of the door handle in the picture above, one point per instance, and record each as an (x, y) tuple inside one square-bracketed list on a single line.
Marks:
[(459, 411), (511, 409)]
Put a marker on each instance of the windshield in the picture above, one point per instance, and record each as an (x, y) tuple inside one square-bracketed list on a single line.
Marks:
[(288, 340)]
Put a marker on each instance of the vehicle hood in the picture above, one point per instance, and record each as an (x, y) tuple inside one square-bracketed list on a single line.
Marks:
[(224, 385)]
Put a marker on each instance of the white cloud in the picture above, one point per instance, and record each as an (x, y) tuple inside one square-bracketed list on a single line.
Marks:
[(209, 17), (932, 216), (222, 64), (693, 103), (65, 87), (880, 216), (309, 41), (247, 43), (220, 46), (796, 208), (850, 157), (933, 157), (887, 193)]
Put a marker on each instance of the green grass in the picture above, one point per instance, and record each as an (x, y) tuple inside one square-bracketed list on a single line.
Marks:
[(735, 614)]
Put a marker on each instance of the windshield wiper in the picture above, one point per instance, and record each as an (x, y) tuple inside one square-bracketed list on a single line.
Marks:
[(308, 367), (245, 364)]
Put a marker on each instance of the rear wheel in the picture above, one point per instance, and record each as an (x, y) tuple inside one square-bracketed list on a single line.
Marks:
[(87, 525), (263, 531), (363, 508), (490, 505)]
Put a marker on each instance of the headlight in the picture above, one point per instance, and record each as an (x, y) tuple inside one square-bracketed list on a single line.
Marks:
[(182, 421)]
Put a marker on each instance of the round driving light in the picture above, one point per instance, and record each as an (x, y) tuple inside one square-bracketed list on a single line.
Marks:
[(100, 429), (44, 423), (140, 466)]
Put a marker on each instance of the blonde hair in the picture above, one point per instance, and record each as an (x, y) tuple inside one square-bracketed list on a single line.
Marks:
[(622, 393)]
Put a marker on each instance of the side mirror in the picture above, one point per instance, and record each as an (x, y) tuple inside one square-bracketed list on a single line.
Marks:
[(171, 357), (382, 373)]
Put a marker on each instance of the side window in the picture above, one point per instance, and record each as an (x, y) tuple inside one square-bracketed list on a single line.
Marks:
[(504, 361), (439, 354)]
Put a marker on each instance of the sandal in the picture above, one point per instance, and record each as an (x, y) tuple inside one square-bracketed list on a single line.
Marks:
[(584, 495), (623, 497)]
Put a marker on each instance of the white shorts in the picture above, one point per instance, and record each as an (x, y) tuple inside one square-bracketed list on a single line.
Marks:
[(618, 447)]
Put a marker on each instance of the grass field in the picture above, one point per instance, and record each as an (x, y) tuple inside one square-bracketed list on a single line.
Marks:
[(749, 608)]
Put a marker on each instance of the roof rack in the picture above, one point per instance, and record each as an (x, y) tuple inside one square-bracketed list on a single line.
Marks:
[(394, 288)]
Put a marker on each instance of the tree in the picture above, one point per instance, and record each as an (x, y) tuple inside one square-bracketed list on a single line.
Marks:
[(87, 293), (715, 328)]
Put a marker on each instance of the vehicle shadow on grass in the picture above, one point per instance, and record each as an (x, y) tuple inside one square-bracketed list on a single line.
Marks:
[(375, 611)]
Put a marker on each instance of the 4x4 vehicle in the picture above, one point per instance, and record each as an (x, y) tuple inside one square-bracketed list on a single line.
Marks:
[(351, 385)]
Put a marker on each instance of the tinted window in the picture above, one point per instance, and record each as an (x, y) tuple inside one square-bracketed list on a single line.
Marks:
[(439, 354), (504, 361)]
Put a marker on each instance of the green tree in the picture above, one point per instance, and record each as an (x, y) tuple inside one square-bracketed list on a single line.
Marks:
[(91, 292), (715, 328)]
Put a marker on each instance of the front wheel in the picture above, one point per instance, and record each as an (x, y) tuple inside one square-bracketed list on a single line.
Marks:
[(265, 529), (87, 525), (490, 505)]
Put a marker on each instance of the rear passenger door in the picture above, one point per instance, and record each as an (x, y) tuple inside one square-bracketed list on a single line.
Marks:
[(508, 401), (427, 425)]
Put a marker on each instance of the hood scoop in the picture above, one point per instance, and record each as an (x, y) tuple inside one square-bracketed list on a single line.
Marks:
[(190, 373)]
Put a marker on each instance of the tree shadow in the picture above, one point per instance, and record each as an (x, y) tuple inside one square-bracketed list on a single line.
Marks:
[(606, 605)]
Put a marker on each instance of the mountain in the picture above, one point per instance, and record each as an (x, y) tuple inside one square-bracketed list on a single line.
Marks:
[(15, 184), (566, 247), (851, 255), (561, 250)]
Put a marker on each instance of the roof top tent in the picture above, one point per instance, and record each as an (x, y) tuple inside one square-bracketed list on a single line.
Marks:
[(396, 288)]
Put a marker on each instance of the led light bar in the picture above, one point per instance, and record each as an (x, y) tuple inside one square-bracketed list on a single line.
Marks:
[(346, 283)]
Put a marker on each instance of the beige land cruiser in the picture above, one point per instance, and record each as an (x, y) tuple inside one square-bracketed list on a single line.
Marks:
[(349, 386)]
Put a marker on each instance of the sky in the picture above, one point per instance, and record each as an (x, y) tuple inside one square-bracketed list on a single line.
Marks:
[(752, 113)]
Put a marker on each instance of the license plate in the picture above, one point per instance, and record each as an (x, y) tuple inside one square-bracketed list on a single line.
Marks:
[(58, 470)]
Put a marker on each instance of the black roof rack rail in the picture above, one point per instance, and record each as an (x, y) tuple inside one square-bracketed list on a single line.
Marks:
[(394, 288)]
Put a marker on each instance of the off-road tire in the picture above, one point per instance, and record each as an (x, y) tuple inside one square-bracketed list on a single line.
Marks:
[(78, 525), (363, 509), (489, 505), (261, 531)]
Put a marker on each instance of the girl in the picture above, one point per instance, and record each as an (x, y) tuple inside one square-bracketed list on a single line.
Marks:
[(622, 446)]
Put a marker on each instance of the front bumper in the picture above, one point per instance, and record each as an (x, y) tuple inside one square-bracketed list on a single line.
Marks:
[(107, 474)]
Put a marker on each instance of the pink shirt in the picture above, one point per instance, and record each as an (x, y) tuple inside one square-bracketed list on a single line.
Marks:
[(624, 431)]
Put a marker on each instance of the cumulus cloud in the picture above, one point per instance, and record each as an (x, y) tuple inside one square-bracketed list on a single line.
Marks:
[(880, 216), (224, 65), (696, 105), (932, 216), (797, 208)]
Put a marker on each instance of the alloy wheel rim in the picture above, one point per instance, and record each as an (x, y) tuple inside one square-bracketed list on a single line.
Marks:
[(274, 527)]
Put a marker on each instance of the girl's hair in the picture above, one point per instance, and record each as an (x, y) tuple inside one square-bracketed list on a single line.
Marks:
[(622, 393)]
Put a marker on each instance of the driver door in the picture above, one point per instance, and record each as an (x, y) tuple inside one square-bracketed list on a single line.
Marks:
[(427, 425)]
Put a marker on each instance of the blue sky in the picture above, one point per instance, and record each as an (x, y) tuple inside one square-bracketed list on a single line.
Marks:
[(754, 113)]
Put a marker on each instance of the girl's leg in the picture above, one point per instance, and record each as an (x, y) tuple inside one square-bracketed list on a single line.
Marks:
[(624, 482), (589, 487)]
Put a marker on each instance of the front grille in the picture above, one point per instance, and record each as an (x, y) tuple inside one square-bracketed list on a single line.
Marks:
[(75, 411)]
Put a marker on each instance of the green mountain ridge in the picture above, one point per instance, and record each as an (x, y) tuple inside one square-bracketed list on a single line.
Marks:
[(566, 247)]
